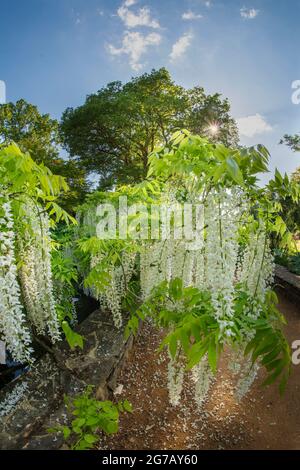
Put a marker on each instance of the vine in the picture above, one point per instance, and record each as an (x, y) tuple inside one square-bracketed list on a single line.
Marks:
[(28, 213), (214, 291)]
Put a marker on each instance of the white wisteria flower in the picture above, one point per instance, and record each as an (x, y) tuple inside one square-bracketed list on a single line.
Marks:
[(13, 328)]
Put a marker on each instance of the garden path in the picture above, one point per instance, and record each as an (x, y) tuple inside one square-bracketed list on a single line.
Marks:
[(262, 420)]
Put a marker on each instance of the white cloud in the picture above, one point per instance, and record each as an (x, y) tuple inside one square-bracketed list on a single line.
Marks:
[(135, 44), (180, 46), (208, 3), (141, 18), (249, 126), (249, 13), (190, 15)]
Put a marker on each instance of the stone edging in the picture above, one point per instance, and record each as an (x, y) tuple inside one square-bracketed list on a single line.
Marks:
[(288, 283), (34, 401)]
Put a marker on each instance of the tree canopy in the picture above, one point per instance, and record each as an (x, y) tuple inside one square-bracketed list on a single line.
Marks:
[(35, 133), (291, 209), (38, 134), (293, 141), (116, 129)]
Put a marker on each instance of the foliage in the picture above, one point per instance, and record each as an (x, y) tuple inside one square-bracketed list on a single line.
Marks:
[(33, 132), (296, 175), (91, 416), (210, 295), (64, 269), (290, 208), (293, 141), (38, 134), (65, 276), (21, 176), (119, 126), (28, 211), (189, 318), (289, 260), (294, 264)]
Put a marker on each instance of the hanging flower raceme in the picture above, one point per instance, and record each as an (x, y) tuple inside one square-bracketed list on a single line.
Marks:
[(247, 376), (13, 329), (156, 264), (175, 379), (27, 302), (119, 276), (222, 214), (257, 267), (35, 272), (202, 377)]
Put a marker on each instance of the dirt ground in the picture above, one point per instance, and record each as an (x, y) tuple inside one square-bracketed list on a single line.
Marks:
[(262, 420)]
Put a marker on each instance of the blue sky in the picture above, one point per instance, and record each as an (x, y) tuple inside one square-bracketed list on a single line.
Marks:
[(55, 52)]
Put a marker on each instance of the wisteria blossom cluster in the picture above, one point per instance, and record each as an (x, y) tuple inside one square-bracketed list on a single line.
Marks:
[(217, 265), (26, 290), (35, 272), (175, 379), (215, 261), (111, 295), (243, 371), (257, 269), (13, 398), (202, 377), (223, 211), (13, 328), (214, 289)]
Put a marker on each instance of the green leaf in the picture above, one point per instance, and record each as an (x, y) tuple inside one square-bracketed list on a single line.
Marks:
[(271, 355), (173, 345), (127, 406), (212, 354), (175, 288), (219, 172), (278, 177), (112, 427), (196, 353), (276, 373), (90, 439), (78, 422), (92, 421), (234, 170), (77, 430), (74, 339), (185, 341), (66, 432)]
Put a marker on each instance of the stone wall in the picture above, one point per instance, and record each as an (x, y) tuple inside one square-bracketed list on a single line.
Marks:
[(288, 284), (34, 402)]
